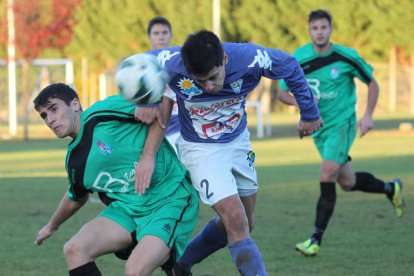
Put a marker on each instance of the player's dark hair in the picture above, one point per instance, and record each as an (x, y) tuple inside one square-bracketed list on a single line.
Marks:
[(201, 52), (158, 20), (320, 14), (55, 91)]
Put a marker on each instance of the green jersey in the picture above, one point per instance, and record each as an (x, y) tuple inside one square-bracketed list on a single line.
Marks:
[(331, 79), (104, 155)]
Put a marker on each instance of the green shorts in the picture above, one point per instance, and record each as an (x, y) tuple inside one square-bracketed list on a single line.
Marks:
[(334, 142), (172, 219)]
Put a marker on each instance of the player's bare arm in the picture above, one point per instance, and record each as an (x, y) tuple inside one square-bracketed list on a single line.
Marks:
[(308, 128), (148, 115), (64, 211), (285, 97), (145, 166), (366, 123)]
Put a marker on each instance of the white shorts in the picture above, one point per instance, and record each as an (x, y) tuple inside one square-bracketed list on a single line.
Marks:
[(172, 138), (219, 170)]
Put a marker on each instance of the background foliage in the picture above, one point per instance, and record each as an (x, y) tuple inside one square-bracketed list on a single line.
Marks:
[(109, 30)]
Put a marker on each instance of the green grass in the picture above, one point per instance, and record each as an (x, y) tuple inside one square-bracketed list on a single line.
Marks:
[(364, 236)]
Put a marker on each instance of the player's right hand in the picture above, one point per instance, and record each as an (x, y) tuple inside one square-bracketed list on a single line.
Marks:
[(308, 128), (148, 115), (43, 234), (143, 173)]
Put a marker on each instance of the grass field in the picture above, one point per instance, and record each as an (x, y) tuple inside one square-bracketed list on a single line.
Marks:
[(364, 236)]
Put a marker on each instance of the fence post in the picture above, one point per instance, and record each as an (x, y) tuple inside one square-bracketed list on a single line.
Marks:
[(412, 83), (392, 84)]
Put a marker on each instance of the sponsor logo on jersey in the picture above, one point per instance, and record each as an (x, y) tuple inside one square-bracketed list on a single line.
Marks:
[(251, 156), (165, 55), (262, 59), (228, 106), (236, 85), (334, 73), (104, 148), (188, 87), (167, 228)]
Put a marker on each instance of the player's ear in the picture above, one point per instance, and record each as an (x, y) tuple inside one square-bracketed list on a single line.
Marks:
[(76, 105), (225, 59)]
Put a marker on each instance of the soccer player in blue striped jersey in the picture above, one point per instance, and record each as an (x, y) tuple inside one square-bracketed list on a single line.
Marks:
[(108, 143), (211, 80), (330, 71)]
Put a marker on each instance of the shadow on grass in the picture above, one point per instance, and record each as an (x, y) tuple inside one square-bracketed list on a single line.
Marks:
[(31, 145), (289, 130)]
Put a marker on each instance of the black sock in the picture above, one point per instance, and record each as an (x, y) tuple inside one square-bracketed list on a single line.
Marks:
[(324, 208), (88, 269), (366, 182)]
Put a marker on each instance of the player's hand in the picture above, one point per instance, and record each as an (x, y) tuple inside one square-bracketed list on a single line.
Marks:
[(44, 233), (148, 115), (365, 124), (143, 174), (309, 128)]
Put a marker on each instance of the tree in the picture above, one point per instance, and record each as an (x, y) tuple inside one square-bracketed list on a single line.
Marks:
[(40, 25)]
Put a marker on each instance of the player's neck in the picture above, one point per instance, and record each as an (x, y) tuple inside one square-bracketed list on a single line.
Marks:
[(322, 49)]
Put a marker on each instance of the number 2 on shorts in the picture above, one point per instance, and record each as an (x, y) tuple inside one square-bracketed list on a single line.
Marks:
[(205, 183)]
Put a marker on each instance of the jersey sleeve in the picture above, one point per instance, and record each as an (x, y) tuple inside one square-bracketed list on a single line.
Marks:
[(362, 70), (169, 93), (286, 67)]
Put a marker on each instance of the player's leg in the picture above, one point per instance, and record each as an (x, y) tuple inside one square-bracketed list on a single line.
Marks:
[(237, 212), (96, 238), (333, 144), (366, 182), (150, 253), (242, 247), (210, 166)]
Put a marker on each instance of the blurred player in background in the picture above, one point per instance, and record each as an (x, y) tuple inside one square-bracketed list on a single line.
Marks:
[(107, 144), (160, 35), (211, 81), (330, 70)]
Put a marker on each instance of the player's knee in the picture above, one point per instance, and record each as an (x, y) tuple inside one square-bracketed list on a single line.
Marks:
[(237, 221), (135, 269), (71, 249), (346, 184)]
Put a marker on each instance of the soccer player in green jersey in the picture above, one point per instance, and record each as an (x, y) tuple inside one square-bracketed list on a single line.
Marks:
[(108, 143), (330, 70)]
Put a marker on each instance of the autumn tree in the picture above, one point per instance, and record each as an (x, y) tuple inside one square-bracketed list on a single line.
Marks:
[(40, 25)]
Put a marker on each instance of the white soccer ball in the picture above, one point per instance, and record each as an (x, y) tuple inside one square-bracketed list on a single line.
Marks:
[(141, 79)]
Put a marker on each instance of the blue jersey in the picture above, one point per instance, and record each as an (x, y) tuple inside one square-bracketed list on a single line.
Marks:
[(221, 117)]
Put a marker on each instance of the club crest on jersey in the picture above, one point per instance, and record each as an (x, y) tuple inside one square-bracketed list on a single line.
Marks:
[(236, 85), (334, 73), (188, 87), (104, 148), (262, 59), (251, 156)]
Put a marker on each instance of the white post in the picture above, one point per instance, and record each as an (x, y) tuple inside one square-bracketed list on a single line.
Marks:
[(392, 85), (216, 17), (259, 116), (412, 83), (84, 72), (11, 52), (69, 73), (102, 86)]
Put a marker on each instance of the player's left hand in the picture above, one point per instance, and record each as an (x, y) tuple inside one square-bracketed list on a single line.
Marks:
[(149, 115), (308, 128), (143, 173), (43, 234), (365, 124)]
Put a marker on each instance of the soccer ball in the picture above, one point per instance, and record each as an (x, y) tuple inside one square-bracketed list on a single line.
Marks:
[(141, 79)]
